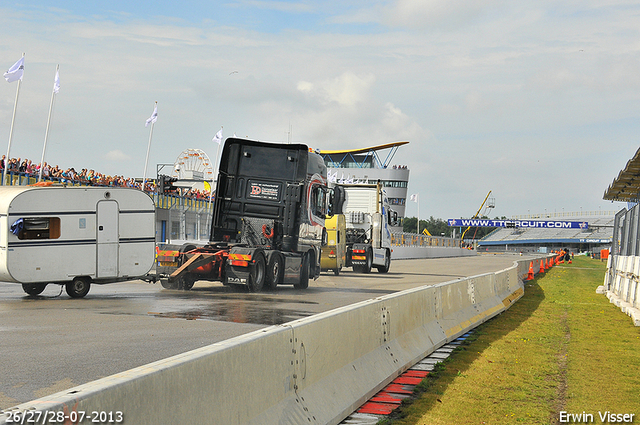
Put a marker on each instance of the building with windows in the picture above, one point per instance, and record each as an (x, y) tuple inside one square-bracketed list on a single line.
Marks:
[(367, 166)]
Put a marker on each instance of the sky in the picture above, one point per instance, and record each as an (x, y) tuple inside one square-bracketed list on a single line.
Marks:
[(535, 101)]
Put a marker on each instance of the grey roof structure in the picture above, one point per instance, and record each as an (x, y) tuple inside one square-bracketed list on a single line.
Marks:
[(600, 231)]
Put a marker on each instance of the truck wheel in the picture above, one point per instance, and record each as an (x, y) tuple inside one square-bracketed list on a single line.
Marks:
[(304, 274), (336, 271), (367, 267), (34, 288), (79, 287), (186, 282), (187, 247), (275, 268), (387, 263), (257, 274)]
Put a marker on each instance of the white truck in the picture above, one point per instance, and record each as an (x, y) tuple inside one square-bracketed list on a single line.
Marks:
[(368, 217), (74, 236)]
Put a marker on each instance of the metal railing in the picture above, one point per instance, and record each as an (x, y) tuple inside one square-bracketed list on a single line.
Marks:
[(563, 214), (161, 200), (414, 239)]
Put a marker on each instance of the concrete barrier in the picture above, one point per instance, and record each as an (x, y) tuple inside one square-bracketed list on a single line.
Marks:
[(315, 370), (621, 285), (412, 252)]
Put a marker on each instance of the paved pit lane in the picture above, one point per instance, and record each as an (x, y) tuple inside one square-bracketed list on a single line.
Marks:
[(52, 342)]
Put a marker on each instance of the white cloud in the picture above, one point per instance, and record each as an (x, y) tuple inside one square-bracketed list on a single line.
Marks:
[(346, 90), (117, 155), (427, 14)]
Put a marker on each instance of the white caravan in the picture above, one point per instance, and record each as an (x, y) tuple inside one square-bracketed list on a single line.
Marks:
[(74, 236)]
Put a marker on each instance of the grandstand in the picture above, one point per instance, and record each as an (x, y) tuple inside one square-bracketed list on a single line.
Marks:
[(529, 239)]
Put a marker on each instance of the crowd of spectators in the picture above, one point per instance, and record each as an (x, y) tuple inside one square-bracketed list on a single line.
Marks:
[(54, 173)]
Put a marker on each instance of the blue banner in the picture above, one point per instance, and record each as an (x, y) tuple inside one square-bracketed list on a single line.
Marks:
[(537, 224)]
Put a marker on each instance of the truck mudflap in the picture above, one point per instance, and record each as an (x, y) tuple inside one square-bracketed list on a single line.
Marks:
[(246, 266), (360, 254), (167, 259), (361, 258)]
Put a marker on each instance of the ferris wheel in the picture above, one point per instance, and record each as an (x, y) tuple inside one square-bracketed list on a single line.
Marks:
[(193, 164)]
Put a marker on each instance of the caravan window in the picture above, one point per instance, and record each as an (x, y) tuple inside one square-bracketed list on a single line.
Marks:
[(40, 228)]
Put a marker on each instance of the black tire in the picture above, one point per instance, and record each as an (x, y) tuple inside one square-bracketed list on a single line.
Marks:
[(303, 283), (168, 285), (336, 271), (79, 287), (34, 288), (184, 248), (367, 267), (186, 282), (387, 263), (275, 270), (187, 247), (257, 274)]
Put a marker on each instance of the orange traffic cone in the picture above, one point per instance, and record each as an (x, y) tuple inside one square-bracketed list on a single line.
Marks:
[(530, 275), (546, 264), (541, 266)]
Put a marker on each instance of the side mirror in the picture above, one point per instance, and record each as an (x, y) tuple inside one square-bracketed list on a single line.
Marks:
[(336, 200)]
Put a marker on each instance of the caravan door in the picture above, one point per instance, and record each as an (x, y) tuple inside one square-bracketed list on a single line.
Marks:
[(107, 214)]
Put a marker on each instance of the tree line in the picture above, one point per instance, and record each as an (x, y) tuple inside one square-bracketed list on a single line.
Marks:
[(440, 227)]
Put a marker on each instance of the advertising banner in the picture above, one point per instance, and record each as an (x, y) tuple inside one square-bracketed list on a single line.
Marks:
[(540, 224)]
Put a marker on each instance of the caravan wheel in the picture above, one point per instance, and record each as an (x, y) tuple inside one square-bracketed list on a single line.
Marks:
[(34, 288), (79, 287)]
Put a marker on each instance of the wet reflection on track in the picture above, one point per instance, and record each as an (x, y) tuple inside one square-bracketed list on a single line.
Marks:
[(237, 313), (232, 304)]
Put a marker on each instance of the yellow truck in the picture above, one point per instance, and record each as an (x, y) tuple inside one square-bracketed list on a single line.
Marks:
[(333, 255)]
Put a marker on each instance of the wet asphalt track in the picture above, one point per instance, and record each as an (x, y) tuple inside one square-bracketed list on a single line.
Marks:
[(51, 342)]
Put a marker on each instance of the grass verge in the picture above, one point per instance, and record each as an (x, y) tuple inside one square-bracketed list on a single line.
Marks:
[(560, 348)]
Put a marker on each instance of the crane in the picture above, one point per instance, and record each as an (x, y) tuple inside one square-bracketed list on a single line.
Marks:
[(490, 205)]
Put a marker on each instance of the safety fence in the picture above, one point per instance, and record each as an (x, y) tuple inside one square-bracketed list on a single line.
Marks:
[(315, 370), (413, 239), (623, 265), (13, 178), (166, 201)]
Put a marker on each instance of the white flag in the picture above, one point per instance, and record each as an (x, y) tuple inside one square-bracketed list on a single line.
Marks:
[(56, 83), (15, 72), (218, 137), (414, 197), (154, 117)]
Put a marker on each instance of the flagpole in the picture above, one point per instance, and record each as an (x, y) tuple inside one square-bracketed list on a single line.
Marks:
[(13, 119), (418, 202), (46, 133), (146, 161), (215, 173)]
